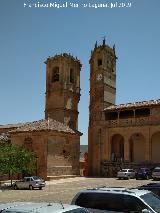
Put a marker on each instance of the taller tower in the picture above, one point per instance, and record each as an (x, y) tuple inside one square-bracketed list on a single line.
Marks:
[(102, 95), (63, 89)]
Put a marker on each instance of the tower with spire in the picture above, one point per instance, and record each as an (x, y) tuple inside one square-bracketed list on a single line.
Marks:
[(102, 94)]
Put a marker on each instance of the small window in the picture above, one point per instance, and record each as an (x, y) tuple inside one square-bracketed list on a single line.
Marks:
[(27, 179), (71, 76), (133, 204), (156, 170), (55, 74), (99, 62)]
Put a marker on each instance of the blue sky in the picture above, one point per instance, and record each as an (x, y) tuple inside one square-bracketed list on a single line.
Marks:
[(29, 35)]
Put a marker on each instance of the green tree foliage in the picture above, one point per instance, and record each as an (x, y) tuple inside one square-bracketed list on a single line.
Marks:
[(16, 159)]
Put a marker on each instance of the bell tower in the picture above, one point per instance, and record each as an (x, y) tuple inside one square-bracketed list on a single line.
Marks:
[(102, 80), (102, 94), (63, 89)]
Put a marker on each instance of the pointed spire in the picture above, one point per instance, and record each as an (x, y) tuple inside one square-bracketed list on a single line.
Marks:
[(104, 40), (114, 47), (96, 44)]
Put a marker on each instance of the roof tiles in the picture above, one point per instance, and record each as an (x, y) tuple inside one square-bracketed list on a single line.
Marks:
[(44, 125), (134, 105)]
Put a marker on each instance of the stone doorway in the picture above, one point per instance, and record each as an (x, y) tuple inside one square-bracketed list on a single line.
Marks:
[(117, 148)]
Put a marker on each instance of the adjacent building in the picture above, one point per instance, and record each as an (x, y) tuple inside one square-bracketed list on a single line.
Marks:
[(125, 135)]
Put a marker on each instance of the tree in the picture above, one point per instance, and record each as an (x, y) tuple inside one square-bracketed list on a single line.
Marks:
[(16, 159)]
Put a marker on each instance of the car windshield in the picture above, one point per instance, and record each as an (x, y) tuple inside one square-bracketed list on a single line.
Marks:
[(156, 170), (152, 200), (142, 170), (37, 178), (124, 170)]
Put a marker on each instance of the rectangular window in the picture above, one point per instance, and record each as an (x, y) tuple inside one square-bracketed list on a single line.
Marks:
[(55, 74), (71, 76)]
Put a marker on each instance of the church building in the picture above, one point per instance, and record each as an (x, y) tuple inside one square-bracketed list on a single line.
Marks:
[(119, 136), (55, 139)]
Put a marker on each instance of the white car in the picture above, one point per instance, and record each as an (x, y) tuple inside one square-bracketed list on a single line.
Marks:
[(126, 174), (156, 173), (109, 199), (31, 182), (24, 207)]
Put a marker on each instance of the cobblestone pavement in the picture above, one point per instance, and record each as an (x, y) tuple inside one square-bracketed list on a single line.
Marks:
[(64, 189)]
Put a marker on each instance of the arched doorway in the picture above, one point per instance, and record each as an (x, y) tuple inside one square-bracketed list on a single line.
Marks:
[(137, 148), (117, 148), (155, 147)]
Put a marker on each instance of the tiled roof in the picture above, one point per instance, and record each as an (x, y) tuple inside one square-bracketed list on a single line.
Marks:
[(9, 126), (44, 125), (133, 105)]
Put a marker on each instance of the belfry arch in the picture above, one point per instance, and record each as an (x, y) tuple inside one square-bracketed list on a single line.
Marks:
[(117, 147), (155, 147), (137, 148)]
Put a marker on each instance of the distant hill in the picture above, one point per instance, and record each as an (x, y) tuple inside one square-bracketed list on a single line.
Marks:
[(83, 149)]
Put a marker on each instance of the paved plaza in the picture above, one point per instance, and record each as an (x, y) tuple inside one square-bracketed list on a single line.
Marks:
[(63, 190)]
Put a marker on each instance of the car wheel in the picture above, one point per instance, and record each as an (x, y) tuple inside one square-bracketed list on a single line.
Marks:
[(128, 177), (30, 187), (147, 177), (15, 187), (40, 188)]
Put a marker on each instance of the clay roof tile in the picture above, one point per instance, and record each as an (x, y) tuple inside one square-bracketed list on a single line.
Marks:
[(44, 125), (133, 105)]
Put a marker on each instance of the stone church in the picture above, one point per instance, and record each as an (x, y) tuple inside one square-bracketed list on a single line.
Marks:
[(125, 135), (119, 136), (55, 139)]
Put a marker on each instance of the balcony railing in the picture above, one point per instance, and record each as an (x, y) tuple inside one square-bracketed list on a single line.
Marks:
[(132, 122)]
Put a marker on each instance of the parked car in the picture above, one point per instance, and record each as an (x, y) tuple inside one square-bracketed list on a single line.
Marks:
[(153, 187), (24, 207), (118, 200), (126, 174), (144, 173), (156, 173), (29, 183)]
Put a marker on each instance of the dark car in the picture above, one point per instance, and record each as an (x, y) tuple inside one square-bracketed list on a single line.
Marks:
[(153, 187), (144, 173)]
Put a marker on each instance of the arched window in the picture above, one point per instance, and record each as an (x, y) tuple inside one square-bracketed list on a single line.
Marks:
[(71, 77), (55, 74), (99, 62)]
